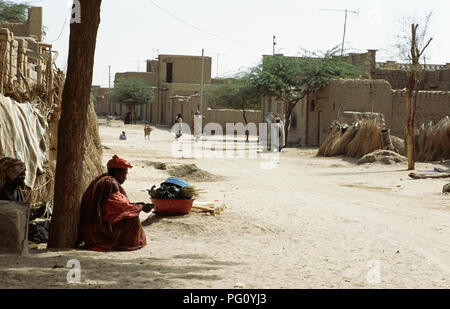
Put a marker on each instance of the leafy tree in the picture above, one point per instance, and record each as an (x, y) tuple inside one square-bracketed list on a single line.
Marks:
[(132, 92), (236, 93), (13, 12), (290, 79)]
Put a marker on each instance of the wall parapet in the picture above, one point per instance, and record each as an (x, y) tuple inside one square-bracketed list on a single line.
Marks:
[(438, 95)]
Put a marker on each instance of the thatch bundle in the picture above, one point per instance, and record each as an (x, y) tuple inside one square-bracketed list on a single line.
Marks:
[(432, 142), (43, 188), (92, 163), (330, 140), (359, 139), (367, 139), (338, 139)]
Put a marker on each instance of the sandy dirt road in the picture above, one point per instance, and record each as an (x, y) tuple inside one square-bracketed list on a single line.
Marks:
[(306, 223)]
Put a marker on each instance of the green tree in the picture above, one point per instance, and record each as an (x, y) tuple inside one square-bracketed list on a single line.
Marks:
[(13, 12), (132, 92), (290, 79), (236, 93)]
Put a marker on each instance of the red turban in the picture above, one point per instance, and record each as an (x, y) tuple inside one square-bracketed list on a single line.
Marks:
[(117, 162)]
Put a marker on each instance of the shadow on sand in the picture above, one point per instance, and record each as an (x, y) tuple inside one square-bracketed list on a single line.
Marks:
[(99, 271)]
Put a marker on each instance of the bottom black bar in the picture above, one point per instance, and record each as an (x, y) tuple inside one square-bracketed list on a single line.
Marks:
[(225, 298)]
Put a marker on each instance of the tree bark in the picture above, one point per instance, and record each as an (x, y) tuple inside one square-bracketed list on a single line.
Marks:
[(409, 131), (287, 121), (245, 123), (72, 127), (410, 92)]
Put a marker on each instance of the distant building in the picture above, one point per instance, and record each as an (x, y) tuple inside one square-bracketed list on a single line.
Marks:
[(173, 77), (383, 92)]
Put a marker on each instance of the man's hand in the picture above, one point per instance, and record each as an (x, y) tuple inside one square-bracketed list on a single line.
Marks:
[(147, 207)]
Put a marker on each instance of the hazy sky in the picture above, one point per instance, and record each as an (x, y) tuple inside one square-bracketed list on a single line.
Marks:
[(236, 33)]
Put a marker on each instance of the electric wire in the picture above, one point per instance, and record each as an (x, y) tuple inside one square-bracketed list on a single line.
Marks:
[(199, 29), (63, 27)]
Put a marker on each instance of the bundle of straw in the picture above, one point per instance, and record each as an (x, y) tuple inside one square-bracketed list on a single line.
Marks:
[(338, 148), (190, 192), (367, 139), (433, 141), (335, 133)]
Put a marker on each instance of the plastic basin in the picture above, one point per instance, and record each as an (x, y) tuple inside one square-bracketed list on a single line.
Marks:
[(172, 207)]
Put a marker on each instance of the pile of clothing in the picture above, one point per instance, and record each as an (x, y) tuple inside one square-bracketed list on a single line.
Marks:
[(173, 189)]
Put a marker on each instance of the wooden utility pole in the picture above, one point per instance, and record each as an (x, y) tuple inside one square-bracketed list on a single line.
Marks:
[(72, 126)]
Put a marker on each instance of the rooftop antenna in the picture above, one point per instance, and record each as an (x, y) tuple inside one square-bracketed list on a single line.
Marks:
[(345, 23)]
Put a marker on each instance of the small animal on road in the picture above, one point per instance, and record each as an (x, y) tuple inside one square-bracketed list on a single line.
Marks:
[(147, 131)]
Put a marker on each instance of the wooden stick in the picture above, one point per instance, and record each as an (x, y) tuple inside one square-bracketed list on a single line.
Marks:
[(425, 176)]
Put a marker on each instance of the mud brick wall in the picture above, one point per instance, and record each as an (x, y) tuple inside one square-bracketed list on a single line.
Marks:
[(14, 59), (437, 80), (431, 106), (352, 95), (16, 28), (8, 57), (22, 60), (397, 78)]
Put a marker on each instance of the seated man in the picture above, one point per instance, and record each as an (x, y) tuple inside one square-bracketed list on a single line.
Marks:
[(122, 136), (12, 177), (108, 221)]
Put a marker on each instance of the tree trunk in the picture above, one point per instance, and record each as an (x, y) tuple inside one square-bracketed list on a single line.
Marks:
[(72, 127), (410, 92), (409, 131), (245, 123), (287, 121)]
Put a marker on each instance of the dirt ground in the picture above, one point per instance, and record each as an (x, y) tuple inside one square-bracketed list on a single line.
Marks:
[(307, 222)]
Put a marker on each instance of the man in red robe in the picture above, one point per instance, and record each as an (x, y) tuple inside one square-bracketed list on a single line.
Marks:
[(108, 221)]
